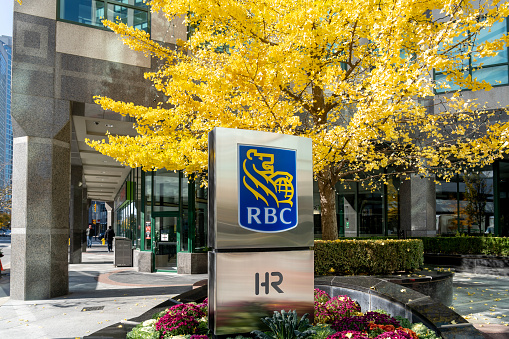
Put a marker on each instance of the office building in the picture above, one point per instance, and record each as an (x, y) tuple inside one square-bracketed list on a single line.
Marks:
[(63, 57)]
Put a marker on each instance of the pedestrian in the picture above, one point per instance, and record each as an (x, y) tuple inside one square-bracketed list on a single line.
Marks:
[(90, 236), (109, 235)]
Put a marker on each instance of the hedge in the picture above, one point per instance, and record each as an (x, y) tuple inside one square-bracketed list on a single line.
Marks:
[(467, 245), (371, 257)]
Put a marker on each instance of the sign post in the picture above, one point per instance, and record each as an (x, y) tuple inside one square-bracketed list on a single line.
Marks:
[(260, 228)]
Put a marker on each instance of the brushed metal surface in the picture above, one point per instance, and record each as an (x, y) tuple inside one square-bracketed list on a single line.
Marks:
[(224, 230), (239, 282)]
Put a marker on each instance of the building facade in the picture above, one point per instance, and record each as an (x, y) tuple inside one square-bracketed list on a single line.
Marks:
[(5, 112), (62, 57)]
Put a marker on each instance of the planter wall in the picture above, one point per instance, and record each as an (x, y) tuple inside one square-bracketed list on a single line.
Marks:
[(472, 263), (192, 263), (374, 293)]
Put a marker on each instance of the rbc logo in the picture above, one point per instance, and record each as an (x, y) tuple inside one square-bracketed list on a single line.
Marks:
[(267, 189)]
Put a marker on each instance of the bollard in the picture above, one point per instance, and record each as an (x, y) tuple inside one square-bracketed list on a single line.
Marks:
[(103, 241)]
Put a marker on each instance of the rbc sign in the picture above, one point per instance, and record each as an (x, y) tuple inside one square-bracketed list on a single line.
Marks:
[(267, 188), (260, 239)]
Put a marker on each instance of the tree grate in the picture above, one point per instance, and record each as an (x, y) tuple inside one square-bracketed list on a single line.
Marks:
[(93, 308)]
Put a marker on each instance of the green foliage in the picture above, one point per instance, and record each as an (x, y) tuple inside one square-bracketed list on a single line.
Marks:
[(422, 331), (285, 325), (322, 331), (372, 257), (145, 330), (159, 314), (467, 245)]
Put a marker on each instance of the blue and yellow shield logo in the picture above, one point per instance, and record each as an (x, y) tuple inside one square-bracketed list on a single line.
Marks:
[(267, 188)]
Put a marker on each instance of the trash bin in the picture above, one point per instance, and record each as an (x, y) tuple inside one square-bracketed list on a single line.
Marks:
[(123, 252)]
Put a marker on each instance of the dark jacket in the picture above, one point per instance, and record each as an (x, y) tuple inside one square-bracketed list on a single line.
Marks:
[(109, 235)]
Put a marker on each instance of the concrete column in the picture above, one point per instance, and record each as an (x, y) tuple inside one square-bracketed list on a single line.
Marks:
[(40, 218), (110, 213), (41, 179), (417, 207), (77, 223)]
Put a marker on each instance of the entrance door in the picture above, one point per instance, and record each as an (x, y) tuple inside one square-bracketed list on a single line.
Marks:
[(165, 241)]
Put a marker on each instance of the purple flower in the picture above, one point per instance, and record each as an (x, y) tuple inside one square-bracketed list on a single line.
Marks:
[(397, 334), (181, 319), (348, 335), (321, 296), (361, 322), (335, 308)]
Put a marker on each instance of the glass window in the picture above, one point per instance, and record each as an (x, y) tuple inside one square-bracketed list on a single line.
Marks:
[(503, 199), (392, 201), (200, 241), (495, 32), (91, 12), (371, 209), (493, 75), (494, 70), (166, 191), (477, 205), (465, 204)]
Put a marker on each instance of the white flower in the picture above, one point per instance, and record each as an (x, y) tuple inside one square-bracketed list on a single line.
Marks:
[(180, 337), (150, 322)]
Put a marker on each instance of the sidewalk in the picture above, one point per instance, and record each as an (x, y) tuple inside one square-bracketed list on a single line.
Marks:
[(100, 295), (483, 300)]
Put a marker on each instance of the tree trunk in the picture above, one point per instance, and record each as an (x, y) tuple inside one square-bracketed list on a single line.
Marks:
[(328, 204)]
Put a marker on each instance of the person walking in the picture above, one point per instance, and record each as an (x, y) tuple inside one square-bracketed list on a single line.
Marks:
[(90, 235), (109, 235)]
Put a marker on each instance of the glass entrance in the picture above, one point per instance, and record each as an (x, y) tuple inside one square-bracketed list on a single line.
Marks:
[(165, 238)]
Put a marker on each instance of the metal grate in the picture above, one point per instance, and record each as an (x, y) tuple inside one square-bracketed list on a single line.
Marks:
[(93, 308)]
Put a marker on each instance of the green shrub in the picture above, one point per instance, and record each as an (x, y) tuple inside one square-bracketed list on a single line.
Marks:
[(372, 257), (285, 325), (467, 245)]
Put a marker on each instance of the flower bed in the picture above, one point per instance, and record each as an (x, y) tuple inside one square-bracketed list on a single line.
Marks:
[(334, 318)]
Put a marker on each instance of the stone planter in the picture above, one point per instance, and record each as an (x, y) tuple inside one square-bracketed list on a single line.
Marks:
[(472, 263), (192, 263), (374, 293)]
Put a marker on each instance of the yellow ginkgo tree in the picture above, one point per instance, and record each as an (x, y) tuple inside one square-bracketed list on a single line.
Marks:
[(357, 77)]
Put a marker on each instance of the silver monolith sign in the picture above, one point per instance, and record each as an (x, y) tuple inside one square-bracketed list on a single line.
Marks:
[(260, 227)]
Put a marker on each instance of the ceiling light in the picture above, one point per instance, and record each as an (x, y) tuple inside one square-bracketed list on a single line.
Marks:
[(109, 125)]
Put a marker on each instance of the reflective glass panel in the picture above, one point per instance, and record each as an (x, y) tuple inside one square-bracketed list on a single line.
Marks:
[(165, 242), (184, 231), (140, 20), (370, 208), (503, 202), (442, 79), (393, 206), (200, 238), (166, 191), (447, 207), (129, 16), (89, 12), (489, 34), (498, 75), (477, 205)]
